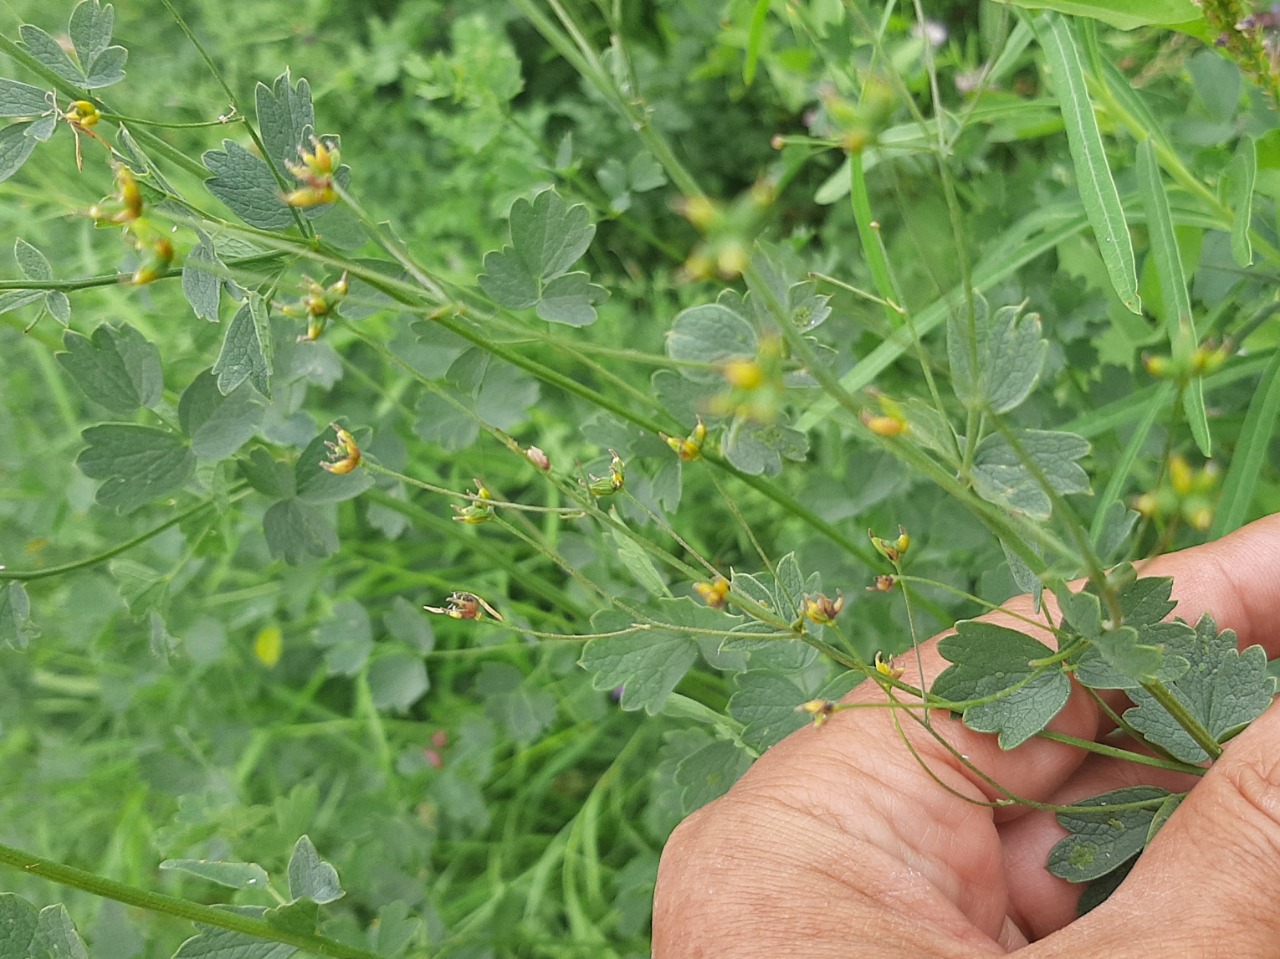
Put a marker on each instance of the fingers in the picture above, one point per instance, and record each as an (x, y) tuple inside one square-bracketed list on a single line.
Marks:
[(1209, 884)]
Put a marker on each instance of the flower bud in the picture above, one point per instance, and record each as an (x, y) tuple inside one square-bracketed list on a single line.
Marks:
[(820, 709), (344, 455), (714, 594), (821, 609), (538, 458)]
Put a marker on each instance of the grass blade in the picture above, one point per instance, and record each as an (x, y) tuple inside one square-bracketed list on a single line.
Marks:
[(1097, 189), (1176, 308), (755, 37), (1246, 467), (1243, 173), (1122, 467)]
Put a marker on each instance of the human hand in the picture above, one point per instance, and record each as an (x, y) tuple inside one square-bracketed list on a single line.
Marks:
[(838, 843)]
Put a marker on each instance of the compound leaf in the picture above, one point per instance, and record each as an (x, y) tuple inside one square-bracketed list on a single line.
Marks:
[(90, 29), (1009, 353), (757, 448), (50, 54), (1000, 476), (310, 877), (1100, 841), (993, 662), (136, 464), (507, 281), (646, 664), (115, 366), (1225, 689)]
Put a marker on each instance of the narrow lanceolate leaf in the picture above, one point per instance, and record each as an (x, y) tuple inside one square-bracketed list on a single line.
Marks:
[(1000, 476), (15, 147), (244, 355), (1242, 175), (994, 663), (1246, 469), (16, 628), (116, 367), (23, 100), (136, 464), (1097, 188), (1009, 353), (1124, 14), (1176, 308), (1225, 689), (1102, 840), (646, 665)]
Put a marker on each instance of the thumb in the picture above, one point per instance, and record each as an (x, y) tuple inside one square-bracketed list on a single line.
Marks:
[(1209, 884)]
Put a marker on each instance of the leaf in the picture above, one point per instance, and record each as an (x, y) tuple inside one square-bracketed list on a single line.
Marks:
[(245, 184), (1098, 191), (637, 561), (1240, 178), (23, 100), (789, 588), (706, 335), (137, 464), (141, 587), (236, 875), (1104, 840), (286, 118), (202, 280), (708, 773), (296, 531), (523, 706), (90, 30), (115, 367), (1245, 472), (218, 425), (570, 299), (310, 877), (550, 236), (244, 354), (1126, 657), (407, 624), (346, 638), (50, 54), (1000, 477), (1009, 352), (1082, 611), (59, 307), (15, 148), (397, 681), (31, 261), (56, 936), (647, 664), (317, 485), (507, 281), (16, 628), (213, 942), (268, 476), (1124, 14), (757, 448), (1225, 689), (992, 661), (765, 702)]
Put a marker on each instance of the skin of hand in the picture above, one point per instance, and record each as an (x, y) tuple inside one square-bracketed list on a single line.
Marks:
[(837, 843)]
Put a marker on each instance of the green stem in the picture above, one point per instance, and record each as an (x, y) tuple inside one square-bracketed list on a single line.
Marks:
[(1128, 755), (32, 574), (105, 888), (1171, 705)]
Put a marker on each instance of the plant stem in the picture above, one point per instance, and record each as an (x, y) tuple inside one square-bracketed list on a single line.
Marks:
[(1171, 705), (157, 902)]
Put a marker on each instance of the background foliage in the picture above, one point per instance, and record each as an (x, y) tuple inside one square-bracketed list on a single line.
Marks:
[(257, 666)]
